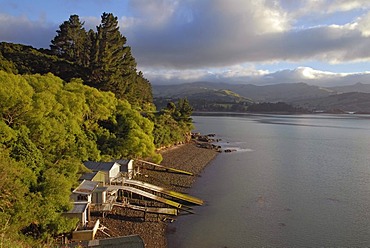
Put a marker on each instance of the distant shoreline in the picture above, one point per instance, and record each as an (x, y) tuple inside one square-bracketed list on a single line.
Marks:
[(210, 113)]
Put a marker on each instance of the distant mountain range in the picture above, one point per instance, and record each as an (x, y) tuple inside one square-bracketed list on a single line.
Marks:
[(222, 96), (359, 87), (356, 102)]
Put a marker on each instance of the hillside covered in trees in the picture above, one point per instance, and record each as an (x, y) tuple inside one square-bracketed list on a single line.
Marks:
[(81, 100), (100, 58)]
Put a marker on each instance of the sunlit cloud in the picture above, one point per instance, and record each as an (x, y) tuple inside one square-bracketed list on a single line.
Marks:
[(258, 77), (187, 40)]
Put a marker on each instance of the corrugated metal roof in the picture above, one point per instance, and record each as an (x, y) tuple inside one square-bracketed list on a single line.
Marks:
[(88, 176), (86, 187), (78, 208), (124, 164), (100, 189), (99, 166), (123, 161)]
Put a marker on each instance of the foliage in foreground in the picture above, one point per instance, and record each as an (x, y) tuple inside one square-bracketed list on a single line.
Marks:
[(101, 59), (48, 127), (173, 124), (50, 124)]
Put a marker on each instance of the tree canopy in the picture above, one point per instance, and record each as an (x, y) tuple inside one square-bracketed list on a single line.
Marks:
[(81, 100), (72, 42), (48, 127), (106, 57), (100, 58)]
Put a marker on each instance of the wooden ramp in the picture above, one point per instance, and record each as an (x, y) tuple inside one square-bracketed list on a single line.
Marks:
[(174, 194), (146, 194), (167, 168), (168, 211)]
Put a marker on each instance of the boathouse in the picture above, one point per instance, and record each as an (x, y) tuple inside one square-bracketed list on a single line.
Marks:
[(127, 168), (80, 211), (85, 229), (84, 191), (96, 176), (110, 169)]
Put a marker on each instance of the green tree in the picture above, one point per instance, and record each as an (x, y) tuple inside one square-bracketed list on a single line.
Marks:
[(113, 65), (101, 59), (185, 109), (28, 60), (7, 65), (43, 129), (14, 201), (108, 57), (173, 124), (166, 130), (72, 42), (128, 135), (16, 98)]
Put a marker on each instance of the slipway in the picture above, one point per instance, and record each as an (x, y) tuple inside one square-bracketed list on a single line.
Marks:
[(146, 194), (173, 194)]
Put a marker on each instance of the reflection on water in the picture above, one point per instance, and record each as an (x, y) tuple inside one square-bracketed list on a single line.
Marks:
[(295, 181), (328, 122)]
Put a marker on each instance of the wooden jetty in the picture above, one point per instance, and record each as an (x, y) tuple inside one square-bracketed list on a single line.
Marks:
[(153, 210), (173, 194), (146, 194)]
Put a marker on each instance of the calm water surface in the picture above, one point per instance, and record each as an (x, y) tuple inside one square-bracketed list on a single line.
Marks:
[(295, 181)]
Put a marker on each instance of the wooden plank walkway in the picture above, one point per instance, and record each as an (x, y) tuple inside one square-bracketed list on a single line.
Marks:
[(167, 211), (146, 194), (174, 194)]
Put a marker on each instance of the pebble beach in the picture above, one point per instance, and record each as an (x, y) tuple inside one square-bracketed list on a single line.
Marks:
[(152, 228)]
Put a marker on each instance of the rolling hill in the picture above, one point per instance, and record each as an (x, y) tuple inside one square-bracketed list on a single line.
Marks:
[(359, 87), (356, 102), (222, 96), (267, 93)]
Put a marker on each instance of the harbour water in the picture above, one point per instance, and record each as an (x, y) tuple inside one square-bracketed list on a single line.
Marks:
[(294, 181)]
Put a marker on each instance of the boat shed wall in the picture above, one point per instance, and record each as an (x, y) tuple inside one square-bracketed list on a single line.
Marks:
[(112, 169), (97, 176), (80, 211), (127, 166)]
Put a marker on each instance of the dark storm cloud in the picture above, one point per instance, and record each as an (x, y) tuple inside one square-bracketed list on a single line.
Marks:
[(202, 33), (21, 30), (216, 37), (213, 33), (188, 40)]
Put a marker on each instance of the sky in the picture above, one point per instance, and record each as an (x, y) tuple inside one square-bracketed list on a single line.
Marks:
[(261, 42)]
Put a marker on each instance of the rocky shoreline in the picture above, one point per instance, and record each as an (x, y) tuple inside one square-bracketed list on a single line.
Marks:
[(191, 157)]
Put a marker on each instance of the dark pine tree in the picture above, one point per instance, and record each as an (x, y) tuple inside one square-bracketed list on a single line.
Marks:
[(108, 56), (72, 42)]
